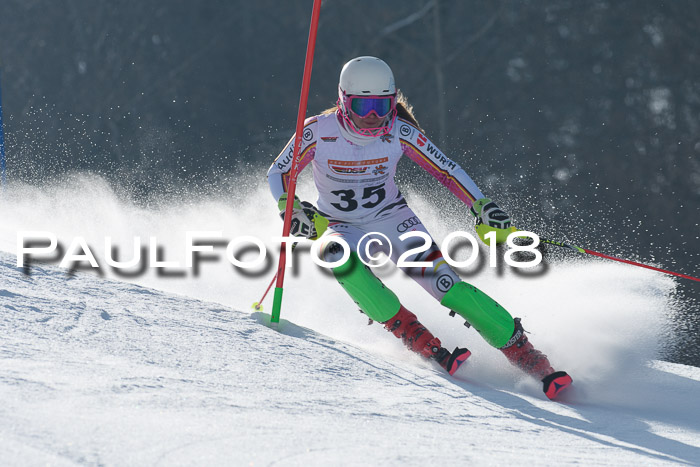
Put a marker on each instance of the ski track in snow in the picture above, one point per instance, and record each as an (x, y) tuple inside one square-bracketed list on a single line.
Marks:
[(163, 371)]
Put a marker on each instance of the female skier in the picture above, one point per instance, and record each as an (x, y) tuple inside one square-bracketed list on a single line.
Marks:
[(354, 149)]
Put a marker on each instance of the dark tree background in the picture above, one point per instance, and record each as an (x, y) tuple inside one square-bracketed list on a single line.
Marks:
[(583, 116)]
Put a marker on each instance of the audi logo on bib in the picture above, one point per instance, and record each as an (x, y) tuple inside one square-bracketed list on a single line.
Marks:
[(408, 223)]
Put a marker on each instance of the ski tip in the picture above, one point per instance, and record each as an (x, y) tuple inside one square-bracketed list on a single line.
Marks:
[(458, 357), (554, 384)]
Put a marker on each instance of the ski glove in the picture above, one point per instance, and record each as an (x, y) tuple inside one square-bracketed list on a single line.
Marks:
[(491, 218), (306, 221)]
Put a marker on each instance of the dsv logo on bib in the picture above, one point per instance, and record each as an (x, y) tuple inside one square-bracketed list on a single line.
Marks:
[(408, 223)]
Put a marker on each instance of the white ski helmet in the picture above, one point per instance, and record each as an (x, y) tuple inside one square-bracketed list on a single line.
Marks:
[(366, 76)]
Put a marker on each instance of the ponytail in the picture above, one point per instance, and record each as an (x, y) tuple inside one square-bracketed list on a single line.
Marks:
[(404, 110)]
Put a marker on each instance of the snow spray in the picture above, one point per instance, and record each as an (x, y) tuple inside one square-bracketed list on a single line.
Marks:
[(2, 141)]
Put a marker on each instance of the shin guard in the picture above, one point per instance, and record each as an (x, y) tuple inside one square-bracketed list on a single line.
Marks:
[(489, 318), (371, 295)]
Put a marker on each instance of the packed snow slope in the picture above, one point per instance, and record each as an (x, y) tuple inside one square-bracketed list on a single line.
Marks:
[(102, 372), (97, 368)]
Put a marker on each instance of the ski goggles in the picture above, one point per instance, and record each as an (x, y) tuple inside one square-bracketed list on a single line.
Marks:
[(362, 106)]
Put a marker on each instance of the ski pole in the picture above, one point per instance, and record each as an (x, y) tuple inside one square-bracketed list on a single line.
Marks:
[(258, 305), (321, 226), (578, 249), (293, 173)]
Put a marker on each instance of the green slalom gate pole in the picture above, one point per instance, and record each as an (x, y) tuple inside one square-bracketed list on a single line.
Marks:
[(586, 251), (293, 173)]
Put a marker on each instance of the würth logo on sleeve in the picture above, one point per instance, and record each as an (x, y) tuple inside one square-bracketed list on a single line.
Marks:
[(329, 139), (421, 140)]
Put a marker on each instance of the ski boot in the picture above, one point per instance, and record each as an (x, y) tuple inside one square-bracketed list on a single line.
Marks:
[(416, 337), (520, 352)]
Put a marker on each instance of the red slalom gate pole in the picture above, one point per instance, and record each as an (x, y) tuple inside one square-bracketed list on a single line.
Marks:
[(626, 261), (293, 173)]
